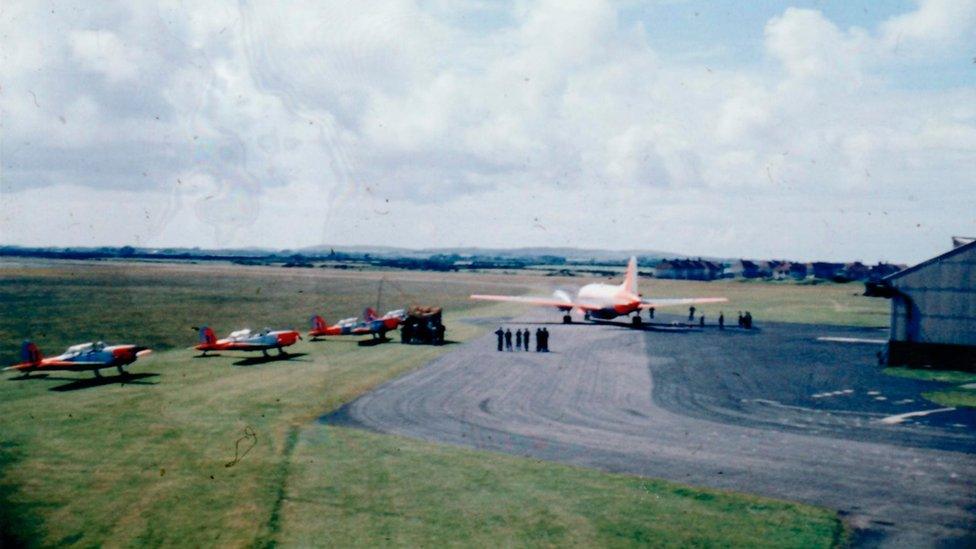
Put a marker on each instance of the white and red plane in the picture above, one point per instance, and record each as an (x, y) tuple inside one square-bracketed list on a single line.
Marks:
[(372, 324), (603, 301), (247, 340), (85, 356)]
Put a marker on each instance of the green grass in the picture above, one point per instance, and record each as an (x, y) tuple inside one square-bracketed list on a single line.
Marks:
[(146, 463), (350, 487), (927, 374), (955, 396)]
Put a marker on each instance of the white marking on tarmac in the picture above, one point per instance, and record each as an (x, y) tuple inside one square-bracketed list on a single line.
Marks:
[(968, 386), (898, 418), (852, 340)]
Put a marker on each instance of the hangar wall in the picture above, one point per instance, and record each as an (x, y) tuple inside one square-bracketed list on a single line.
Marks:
[(933, 311)]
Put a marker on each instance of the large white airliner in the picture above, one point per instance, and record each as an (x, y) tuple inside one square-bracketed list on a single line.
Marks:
[(603, 301)]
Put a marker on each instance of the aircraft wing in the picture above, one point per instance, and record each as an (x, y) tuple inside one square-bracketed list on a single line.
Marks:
[(675, 301), (542, 301)]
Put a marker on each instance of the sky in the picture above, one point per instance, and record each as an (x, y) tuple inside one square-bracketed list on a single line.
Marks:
[(804, 130)]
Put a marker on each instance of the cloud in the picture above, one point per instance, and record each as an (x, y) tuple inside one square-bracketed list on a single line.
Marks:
[(250, 125)]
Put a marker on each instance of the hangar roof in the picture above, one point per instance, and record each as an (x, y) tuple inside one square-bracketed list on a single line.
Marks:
[(936, 259)]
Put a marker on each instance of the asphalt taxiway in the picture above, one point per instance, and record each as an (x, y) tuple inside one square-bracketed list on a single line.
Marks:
[(774, 411)]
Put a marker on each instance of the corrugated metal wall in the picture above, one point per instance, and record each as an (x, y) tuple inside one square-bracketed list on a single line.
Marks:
[(940, 306)]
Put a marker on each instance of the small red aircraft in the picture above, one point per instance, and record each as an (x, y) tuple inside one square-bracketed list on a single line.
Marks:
[(85, 356), (377, 326), (246, 340)]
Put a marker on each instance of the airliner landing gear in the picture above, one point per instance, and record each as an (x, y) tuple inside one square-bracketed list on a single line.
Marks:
[(281, 352), (567, 319), (122, 372), (637, 320)]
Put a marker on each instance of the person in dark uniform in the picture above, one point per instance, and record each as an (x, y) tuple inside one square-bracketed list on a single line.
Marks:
[(747, 320), (545, 340), (508, 339), (538, 340), (518, 339), (741, 321), (701, 320), (525, 339), (721, 325), (650, 312), (691, 313), (501, 337)]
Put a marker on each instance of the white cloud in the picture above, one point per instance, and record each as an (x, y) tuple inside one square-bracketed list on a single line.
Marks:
[(330, 123)]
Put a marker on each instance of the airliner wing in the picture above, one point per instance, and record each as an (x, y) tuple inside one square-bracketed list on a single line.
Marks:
[(542, 301), (674, 301)]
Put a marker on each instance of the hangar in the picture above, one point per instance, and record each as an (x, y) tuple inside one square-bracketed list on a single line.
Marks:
[(933, 310)]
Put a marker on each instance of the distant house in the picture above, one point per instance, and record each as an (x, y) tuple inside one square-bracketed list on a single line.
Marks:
[(799, 271), (826, 271), (781, 270), (882, 270), (743, 268), (855, 271), (688, 269)]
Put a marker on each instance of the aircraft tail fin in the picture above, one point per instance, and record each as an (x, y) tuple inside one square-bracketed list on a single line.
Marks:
[(207, 335), (30, 353), (369, 314), (318, 323), (630, 279)]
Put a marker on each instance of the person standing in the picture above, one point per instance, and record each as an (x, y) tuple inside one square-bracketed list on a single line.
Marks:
[(721, 323), (545, 340), (518, 339), (508, 339), (501, 337), (691, 313), (741, 322), (525, 340), (748, 320), (538, 340), (701, 320), (650, 312)]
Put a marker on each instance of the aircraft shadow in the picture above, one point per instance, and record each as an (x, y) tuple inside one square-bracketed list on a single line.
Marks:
[(372, 342), (256, 360), (89, 382)]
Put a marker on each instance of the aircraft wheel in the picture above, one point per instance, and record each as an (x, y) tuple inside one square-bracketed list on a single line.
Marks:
[(567, 319), (637, 321)]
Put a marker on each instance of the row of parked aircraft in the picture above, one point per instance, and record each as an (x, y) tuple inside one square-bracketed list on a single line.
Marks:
[(593, 301), (97, 355)]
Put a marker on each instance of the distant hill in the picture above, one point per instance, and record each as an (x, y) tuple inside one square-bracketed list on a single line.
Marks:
[(571, 254)]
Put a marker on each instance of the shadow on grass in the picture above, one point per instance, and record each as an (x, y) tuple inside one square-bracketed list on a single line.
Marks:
[(89, 382), (372, 342), (256, 360)]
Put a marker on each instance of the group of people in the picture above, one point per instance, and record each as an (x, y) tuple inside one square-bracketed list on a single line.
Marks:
[(745, 320), (523, 339)]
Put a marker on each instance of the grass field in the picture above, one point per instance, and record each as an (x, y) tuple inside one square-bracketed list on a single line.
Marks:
[(152, 461), (956, 395)]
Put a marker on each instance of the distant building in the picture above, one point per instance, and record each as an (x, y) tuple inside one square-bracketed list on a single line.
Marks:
[(799, 271), (854, 271), (881, 270), (933, 311), (743, 268), (688, 269), (826, 271)]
